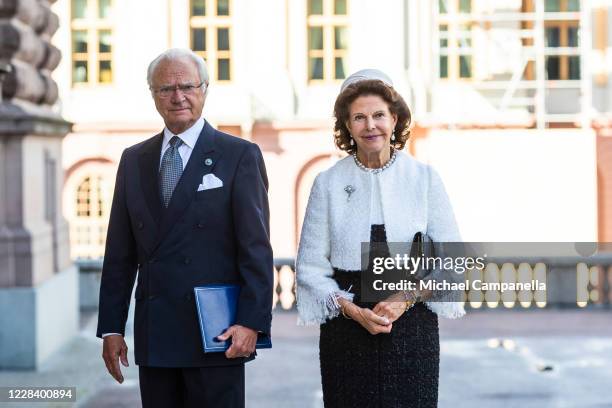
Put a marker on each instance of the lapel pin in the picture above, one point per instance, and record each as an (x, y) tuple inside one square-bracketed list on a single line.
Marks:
[(208, 161), (349, 190)]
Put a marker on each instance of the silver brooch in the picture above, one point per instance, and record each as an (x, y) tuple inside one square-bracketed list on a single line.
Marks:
[(349, 190)]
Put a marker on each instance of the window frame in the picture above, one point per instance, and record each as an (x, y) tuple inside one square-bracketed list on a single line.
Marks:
[(328, 21), (92, 25), (564, 26), (88, 229), (455, 51), (211, 23)]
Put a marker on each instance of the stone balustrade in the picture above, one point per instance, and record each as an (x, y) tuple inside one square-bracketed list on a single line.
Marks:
[(571, 282)]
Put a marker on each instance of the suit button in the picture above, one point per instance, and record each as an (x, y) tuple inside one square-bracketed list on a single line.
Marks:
[(140, 225), (151, 297), (187, 261), (153, 260)]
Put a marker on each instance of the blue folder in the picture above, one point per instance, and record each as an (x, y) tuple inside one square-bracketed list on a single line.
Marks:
[(216, 313)]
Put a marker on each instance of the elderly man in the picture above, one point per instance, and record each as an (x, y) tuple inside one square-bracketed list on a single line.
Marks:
[(190, 208)]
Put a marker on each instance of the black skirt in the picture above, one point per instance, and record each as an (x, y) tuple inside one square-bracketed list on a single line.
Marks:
[(399, 369)]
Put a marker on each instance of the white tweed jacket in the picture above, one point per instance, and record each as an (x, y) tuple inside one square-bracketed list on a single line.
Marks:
[(413, 199)]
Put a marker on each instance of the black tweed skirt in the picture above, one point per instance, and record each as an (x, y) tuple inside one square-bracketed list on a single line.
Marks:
[(399, 369)]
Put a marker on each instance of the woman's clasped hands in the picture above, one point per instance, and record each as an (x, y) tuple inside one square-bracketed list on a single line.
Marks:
[(377, 320)]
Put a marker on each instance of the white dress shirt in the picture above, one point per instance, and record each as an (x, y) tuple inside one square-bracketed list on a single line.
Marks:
[(189, 138)]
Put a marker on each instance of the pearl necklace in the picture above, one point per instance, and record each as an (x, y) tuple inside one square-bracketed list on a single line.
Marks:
[(379, 169)]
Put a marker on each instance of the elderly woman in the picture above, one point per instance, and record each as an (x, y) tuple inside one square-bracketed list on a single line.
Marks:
[(383, 354)]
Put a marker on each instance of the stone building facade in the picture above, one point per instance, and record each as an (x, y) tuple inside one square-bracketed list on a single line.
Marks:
[(38, 282), (276, 67)]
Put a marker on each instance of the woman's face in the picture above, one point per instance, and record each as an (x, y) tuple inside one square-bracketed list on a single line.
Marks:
[(371, 123)]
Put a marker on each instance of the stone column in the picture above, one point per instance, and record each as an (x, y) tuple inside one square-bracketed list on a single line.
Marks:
[(38, 282)]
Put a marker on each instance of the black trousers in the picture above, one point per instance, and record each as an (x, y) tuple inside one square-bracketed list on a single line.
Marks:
[(201, 387)]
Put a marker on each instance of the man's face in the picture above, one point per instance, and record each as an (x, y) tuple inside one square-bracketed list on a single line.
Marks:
[(177, 97)]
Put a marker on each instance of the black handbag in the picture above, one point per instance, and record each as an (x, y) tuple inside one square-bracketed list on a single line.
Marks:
[(422, 248)]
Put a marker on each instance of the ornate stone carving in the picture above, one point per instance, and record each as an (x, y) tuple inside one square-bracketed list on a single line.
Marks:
[(25, 34)]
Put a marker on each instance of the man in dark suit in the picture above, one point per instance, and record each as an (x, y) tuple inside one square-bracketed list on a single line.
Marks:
[(190, 208)]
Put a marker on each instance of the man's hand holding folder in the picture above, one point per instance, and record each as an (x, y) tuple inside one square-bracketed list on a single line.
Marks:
[(243, 341), (216, 307)]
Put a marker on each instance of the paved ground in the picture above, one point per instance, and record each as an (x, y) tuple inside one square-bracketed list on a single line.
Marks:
[(489, 359)]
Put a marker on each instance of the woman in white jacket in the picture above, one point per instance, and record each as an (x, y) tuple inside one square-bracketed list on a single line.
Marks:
[(383, 354)]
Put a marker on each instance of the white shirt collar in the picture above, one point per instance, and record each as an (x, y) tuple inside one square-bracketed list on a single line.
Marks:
[(189, 137)]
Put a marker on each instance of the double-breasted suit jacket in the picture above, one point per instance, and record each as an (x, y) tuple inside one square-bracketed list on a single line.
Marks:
[(218, 235)]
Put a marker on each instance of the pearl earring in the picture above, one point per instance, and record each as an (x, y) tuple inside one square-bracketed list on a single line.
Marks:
[(393, 136), (352, 142)]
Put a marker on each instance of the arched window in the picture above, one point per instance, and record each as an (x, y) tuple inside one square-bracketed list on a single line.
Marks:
[(91, 198), (83, 199)]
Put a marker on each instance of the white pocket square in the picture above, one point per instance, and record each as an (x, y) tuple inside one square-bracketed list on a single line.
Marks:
[(210, 181)]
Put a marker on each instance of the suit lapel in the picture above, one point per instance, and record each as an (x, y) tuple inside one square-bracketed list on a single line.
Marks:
[(149, 168), (204, 152)]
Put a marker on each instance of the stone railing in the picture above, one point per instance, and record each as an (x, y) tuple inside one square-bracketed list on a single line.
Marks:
[(570, 282), (284, 283)]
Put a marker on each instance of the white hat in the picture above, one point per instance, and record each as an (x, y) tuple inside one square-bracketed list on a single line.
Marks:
[(366, 74)]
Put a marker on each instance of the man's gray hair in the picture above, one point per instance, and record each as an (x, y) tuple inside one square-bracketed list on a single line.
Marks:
[(178, 54)]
